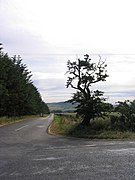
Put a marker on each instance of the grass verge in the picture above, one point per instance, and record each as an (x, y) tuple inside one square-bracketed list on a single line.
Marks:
[(68, 125), (6, 120)]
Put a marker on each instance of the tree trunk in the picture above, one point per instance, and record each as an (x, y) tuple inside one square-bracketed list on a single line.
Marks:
[(86, 121)]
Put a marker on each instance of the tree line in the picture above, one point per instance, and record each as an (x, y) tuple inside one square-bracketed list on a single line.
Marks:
[(18, 95)]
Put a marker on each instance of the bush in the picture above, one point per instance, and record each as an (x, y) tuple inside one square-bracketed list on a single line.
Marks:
[(100, 123)]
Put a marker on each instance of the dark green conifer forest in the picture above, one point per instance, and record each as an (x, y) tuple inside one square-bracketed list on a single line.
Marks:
[(18, 95)]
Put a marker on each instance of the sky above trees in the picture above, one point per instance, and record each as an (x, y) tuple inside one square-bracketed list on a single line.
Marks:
[(46, 33)]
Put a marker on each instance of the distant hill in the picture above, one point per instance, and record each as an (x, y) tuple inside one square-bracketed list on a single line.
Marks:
[(61, 107)]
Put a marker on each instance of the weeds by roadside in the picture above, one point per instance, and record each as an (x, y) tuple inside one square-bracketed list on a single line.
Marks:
[(6, 120), (100, 128)]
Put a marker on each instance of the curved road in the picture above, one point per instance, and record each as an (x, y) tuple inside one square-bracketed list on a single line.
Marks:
[(27, 152)]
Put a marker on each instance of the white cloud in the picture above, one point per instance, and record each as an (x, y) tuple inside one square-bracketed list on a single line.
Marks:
[(79, 24), (40, 75), (47, 33)]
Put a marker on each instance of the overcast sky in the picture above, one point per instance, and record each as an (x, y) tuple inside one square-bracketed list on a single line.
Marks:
[(46, 33)]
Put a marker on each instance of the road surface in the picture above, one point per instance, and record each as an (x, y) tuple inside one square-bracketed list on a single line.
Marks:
[(27, 152)]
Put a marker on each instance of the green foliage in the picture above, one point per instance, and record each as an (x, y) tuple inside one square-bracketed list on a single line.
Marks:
[(82, 74), (125, 120), (68, 125), (57, 119), (18, 95)]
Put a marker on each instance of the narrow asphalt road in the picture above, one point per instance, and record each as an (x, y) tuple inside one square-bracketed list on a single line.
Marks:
[(27, 152)]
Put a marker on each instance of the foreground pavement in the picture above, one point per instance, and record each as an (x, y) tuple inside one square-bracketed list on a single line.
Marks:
[(28, 152)]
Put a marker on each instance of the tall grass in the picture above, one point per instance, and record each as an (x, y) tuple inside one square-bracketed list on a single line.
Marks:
[(5, 120), (100, 128)]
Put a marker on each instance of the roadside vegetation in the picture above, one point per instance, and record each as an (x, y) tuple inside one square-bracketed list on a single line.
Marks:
[(109, 127), (18, 95), (94, 117), (10, 120)]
